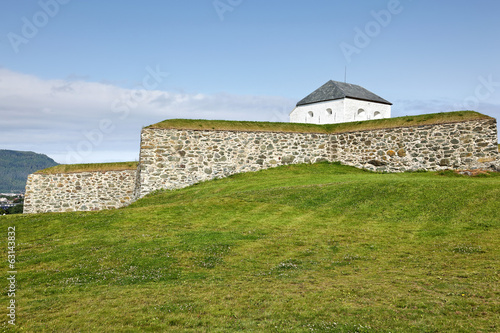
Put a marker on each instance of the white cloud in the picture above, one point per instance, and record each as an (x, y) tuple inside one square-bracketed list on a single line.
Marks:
[(83, 122)]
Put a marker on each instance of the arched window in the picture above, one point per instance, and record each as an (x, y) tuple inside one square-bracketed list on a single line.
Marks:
[(377, 115), (361, 115), (329, 111), (311, 114)]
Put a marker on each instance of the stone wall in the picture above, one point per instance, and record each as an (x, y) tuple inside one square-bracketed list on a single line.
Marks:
[(81, 191), (172, 158), (461, 145), (177, 158)]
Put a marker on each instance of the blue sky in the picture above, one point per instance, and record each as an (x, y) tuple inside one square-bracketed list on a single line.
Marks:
[(68, 68)]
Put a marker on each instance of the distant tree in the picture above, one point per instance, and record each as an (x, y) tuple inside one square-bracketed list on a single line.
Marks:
[(17, 209), (15, 166)]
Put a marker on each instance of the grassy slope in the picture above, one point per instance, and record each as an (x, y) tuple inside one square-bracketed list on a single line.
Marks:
[(426, 119), (298, 248), (68, 168)]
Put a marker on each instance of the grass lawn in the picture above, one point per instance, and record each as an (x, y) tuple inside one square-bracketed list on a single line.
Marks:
[(300, 248), (425, 119), (69, 168)]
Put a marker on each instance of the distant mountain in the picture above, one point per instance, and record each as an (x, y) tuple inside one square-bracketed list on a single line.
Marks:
[(15, 166)]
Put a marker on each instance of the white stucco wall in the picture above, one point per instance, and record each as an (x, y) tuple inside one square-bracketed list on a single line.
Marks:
[(342, 110), (353, 108)]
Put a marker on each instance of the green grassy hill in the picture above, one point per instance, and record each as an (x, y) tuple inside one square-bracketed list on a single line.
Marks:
[(89, 167), (15, 166), (302, 248), (262, 126)]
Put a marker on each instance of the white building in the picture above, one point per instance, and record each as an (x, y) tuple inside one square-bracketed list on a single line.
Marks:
[(339, 102)]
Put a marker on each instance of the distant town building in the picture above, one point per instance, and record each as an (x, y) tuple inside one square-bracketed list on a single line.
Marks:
[(339, 102)]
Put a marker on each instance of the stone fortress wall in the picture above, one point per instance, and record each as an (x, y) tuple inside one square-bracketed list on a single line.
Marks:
[(173, 158), (460, 145), (176, 158), (79, 191)]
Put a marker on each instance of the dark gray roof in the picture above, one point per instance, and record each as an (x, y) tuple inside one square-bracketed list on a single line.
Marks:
[(336, 90)]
